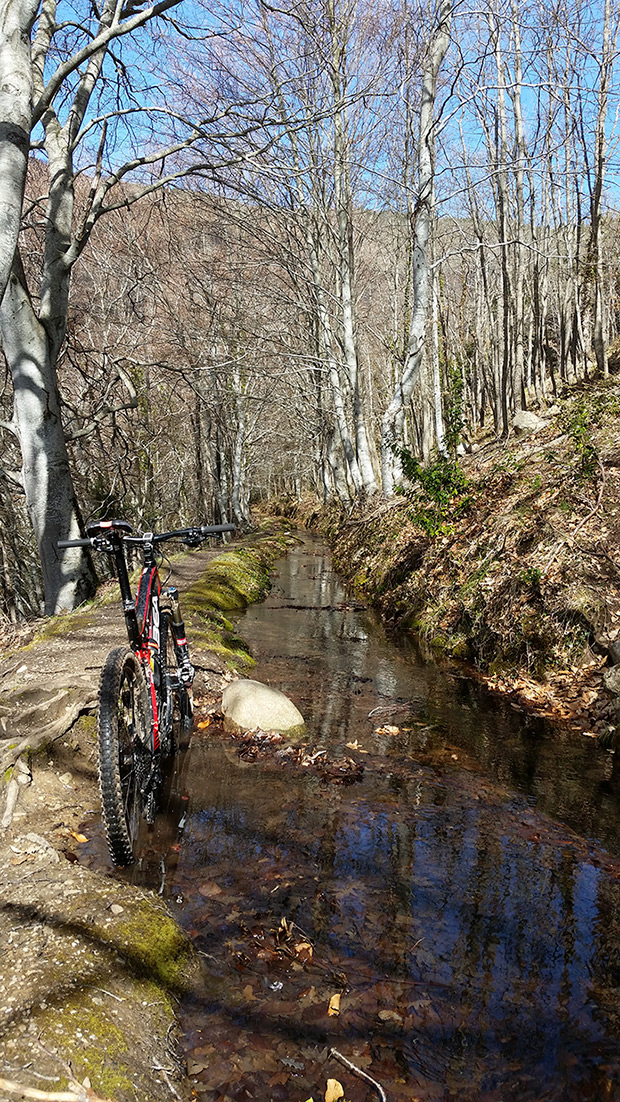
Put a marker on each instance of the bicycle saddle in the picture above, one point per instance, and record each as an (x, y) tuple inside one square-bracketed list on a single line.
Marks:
[(104, 527)]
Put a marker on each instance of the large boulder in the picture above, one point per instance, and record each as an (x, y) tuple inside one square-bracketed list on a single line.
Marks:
[(250, 704), (525, 421)]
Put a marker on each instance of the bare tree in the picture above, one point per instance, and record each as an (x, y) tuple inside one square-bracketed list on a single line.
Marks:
[(420, 213)]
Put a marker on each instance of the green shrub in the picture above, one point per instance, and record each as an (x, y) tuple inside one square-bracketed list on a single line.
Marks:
[(438, 492)]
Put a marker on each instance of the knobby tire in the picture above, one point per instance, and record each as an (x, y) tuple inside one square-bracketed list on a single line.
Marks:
[(124, 750)]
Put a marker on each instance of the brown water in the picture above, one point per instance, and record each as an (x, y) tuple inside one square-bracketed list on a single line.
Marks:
[(462, 898)]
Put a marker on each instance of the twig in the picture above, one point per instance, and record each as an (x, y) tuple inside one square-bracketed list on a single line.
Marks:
[(358, 1071), (102, 991), (171, 1087), (79, 1094), (386, 507), (391, 709), (599, 555)]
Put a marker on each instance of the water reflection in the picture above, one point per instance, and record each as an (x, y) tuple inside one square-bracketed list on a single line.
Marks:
[(338, 664), (472, 940), (472, 932)]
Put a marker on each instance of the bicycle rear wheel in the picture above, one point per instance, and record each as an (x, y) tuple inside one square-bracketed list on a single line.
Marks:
[(125, 756)]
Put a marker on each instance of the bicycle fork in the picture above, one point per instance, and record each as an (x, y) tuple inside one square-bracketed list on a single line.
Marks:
[(186, 669)]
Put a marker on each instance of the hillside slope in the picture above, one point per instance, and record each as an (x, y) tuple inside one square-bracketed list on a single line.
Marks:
[(517, 573)]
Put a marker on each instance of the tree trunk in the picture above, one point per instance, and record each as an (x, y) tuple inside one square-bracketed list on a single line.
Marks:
[(15, 120), (600, 150), (68, 577), (394, 416), (342, 190)]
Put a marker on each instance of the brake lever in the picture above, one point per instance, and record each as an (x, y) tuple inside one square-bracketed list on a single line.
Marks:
[(102, 543), (193, 540)]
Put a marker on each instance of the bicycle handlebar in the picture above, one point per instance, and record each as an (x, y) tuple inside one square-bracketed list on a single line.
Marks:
[(182, 533), (196, 532)]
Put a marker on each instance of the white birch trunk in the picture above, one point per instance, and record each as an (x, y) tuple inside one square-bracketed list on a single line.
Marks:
[(440, 436), (342, 188), (236, 498), (15, 121), (600, 149), (518, 371), (67, 577), (394, 416)]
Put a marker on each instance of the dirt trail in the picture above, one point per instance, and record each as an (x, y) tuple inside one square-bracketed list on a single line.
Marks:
[(91, 966)]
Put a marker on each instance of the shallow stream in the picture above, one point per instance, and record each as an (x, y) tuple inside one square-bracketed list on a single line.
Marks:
[(462, 898)]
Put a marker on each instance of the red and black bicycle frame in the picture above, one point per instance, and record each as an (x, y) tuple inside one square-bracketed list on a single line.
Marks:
[(141, 616)]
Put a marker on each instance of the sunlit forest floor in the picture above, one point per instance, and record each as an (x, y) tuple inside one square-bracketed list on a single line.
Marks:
[(517, 574)]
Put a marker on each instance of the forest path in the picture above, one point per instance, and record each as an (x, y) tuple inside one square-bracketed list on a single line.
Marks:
[(91, 965)]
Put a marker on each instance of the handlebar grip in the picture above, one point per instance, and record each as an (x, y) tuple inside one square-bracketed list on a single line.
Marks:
[(73, 543), (215, 529)]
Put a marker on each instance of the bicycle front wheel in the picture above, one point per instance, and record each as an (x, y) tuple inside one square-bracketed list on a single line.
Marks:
[(124, 752)]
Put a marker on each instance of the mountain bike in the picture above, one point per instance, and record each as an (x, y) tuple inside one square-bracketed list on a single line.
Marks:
[(145, 691)]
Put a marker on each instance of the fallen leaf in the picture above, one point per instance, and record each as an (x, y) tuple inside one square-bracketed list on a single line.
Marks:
[(279, 1079), (387, 730), (303, 949), (78, 837), (204, 723), (334, 1091), (285, 929), (334, 1005), (210, 890)]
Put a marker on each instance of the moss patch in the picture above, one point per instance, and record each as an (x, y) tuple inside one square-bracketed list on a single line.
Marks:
[(237, 578), (155, 947), (231, 581)]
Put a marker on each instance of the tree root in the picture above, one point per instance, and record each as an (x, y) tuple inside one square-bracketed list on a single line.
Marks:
[(20, 778), (78, 1093), (16, 743)]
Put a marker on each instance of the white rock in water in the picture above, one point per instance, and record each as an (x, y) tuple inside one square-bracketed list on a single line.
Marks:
[(525, 421), (250, 704)]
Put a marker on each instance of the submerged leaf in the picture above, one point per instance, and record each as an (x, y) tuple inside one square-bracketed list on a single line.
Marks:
[(303, 950), (334, 1005)]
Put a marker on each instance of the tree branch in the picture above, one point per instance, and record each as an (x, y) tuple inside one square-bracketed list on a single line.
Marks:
[(98, 43)]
